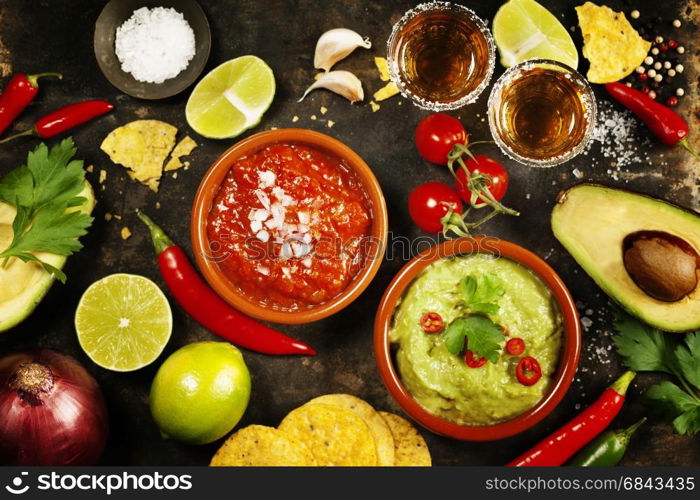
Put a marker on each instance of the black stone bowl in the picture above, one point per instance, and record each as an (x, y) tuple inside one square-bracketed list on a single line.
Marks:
[(118, 11)]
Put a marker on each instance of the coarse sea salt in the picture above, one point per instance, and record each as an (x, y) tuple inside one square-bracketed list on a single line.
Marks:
[(155, 45)]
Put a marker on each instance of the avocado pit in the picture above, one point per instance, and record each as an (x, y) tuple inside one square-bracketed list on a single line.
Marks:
[(663, 265)]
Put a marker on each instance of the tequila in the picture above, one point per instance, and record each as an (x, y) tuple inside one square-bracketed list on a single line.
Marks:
[(541, 113), (441, 55)]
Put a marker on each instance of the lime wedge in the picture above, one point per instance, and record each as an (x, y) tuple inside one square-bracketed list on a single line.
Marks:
[(231, 98), (123, 322), (523, 30)]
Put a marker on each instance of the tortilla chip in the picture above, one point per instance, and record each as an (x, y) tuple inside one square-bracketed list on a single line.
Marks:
[(260, 446), (183, 148), (383, 68), (411, 449), (387, 91), (380, 431), (335, 436), (141, 146), (610, 43)]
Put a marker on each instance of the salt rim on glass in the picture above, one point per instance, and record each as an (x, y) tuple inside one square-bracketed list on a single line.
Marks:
[(395, 73)]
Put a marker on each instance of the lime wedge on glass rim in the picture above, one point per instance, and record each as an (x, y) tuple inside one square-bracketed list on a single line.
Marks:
[(231, 98), (123, 322), (524, 29)]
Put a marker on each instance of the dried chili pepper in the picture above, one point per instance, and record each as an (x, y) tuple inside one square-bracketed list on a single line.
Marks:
[(64, 119), (200, 302), (17, 94), (666, 124), (559, 446)]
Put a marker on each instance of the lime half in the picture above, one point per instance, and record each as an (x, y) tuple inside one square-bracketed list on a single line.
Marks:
[(231, 98), (123, 322), (523, 30)]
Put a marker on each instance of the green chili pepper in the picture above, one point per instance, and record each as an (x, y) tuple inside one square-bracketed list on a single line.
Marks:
[(607, 449)]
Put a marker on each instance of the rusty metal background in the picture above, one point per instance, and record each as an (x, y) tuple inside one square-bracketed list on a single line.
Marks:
[(56, 35)]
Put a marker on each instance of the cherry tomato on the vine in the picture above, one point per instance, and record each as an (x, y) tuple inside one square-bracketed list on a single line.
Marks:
[(486, 166), (436, 134), (427, 205)]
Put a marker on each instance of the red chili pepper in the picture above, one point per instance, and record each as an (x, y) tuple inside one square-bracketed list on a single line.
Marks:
[(472, 361), (64, 119), (17, 94), (431, 322), (528, 371), (666, 124), (561, 445), (515, 346), (200, 302)]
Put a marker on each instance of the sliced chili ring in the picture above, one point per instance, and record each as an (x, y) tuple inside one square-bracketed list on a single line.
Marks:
[(431, 322), (472, 361), (515, 346), (528, 371)]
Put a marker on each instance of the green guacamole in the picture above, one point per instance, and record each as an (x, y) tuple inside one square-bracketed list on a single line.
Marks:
[(440, 381)]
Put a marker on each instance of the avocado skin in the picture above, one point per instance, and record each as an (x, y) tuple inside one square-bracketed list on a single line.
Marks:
[(591, 222), (41, 288)]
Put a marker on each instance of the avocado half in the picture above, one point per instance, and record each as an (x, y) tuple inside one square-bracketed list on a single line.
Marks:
[(592, 221), (24, 284)]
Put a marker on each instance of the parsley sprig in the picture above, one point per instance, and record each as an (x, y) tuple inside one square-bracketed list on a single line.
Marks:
[(45, 195), (480, 294), (644, 348)]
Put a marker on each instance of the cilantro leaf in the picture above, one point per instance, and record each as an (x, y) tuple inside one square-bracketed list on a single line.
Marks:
[(688, 358), (454, 336), (48, 177), (481, 292), (688, 422), (45, 195), (642, 347), (483, 337), (670, 400)]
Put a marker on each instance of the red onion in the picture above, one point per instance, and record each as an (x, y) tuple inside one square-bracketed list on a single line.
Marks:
[(51, 411)]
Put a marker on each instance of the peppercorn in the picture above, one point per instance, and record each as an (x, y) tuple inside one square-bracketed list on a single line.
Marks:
[(672, 101)]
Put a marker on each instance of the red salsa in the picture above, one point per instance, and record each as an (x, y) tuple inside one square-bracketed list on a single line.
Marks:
[(289, 226)]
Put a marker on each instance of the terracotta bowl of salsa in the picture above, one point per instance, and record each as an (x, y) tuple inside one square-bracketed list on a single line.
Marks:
[(461, 396), (289, 226)]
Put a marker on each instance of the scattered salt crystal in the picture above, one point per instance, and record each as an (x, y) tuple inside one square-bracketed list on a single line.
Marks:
[(263, 236), (586, 322), (577, 173), (287, 272), (306, 262), (255, 226), (264, 270), (304, 217), (154, 45)]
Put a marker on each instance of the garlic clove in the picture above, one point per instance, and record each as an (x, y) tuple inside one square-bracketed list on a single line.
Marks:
[(335, 45), (342, 83)]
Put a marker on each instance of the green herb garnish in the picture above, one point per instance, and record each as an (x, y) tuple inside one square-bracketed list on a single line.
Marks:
[(484, 337), (481, 292), (644, 348), (44, 192)]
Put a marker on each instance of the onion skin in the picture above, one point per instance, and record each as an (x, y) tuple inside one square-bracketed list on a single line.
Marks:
[(52, 411)]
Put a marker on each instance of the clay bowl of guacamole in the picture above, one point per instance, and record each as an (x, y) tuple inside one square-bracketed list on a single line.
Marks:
[(477, 339)]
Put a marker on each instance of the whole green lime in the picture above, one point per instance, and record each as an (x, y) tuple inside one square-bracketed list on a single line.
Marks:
[(200, 392)]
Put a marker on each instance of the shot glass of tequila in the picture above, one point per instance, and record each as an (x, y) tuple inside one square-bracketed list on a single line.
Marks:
[(441, 55), (541, 113)]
